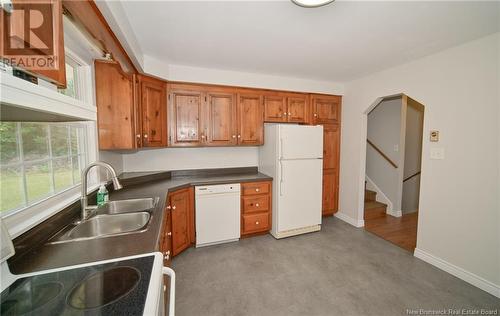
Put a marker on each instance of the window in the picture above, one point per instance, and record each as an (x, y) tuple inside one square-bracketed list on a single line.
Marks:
[(72, 79), (39, 160)]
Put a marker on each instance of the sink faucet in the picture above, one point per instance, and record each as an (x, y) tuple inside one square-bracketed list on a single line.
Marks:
[(116, 185)]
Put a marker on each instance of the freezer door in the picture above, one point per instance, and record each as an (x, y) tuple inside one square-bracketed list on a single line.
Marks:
[(299, 196), (300, 141)]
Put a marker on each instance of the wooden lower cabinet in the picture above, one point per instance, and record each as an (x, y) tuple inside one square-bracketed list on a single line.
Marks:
[(181, 208), (330, 192), (166, 238), (256, 209)]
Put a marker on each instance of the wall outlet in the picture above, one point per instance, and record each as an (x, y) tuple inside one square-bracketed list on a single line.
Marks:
[(437, 153), (396, 148)]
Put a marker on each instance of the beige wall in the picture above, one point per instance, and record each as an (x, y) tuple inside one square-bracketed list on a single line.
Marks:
[(459, 204), (190, 158)]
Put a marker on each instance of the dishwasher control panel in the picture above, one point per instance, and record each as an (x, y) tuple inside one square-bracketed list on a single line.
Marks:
[(217, 189)]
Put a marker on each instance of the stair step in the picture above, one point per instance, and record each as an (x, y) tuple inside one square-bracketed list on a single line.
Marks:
[(374, 209), (370, 195), (374, 204)]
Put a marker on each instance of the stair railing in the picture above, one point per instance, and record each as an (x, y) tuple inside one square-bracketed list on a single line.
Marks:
[(382, 153)]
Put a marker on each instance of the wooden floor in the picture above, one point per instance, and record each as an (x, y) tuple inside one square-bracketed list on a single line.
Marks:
[(401, 231)]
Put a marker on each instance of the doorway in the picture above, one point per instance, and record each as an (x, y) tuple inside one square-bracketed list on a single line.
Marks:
[(393, 169)]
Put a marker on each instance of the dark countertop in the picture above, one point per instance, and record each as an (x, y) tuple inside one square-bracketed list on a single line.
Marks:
[(136, 185)]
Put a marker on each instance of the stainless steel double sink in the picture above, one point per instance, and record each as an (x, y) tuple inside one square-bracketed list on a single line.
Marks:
[(111, 219)]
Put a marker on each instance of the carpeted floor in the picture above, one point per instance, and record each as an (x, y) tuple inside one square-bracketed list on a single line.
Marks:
[(341, 270)]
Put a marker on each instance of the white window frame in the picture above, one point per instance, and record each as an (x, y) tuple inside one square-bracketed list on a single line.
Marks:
[(46, 98)]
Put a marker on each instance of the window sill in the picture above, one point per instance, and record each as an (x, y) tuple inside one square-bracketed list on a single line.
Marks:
[(23, 220), (24, 94)]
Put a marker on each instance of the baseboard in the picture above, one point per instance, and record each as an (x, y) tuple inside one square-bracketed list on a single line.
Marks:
[(394, 213), (382, 198), (346, 218), (460, 273)]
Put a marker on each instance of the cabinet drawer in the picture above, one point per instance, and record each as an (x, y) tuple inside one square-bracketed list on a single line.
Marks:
[(255, 223), (252, 188), (256, 203)]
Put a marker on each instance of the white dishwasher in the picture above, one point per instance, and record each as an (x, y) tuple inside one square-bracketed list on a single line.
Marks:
[(217, 214)]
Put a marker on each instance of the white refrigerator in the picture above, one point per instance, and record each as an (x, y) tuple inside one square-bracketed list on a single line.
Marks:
[(293, 156)]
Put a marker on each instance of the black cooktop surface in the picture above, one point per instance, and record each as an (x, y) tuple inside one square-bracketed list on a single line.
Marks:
[(116, 288)]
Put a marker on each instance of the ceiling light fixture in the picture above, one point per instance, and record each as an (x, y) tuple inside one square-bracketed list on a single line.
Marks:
[(312, 3)]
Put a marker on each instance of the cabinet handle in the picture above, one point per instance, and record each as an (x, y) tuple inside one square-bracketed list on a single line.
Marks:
[(167, 252), (257, 205), (315, 115), (167, 257), (173, 207), (169, 207), (289, 113), (138, 136), (257, 190), (145, 135), (256, 223), (239, 136), (234, 136), (169, 234)]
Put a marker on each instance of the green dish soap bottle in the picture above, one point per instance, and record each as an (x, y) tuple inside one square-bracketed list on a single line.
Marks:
[(102, 195)]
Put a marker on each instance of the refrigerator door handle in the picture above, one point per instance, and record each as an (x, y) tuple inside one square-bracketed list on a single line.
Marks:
[(281, 178), (281, 148)]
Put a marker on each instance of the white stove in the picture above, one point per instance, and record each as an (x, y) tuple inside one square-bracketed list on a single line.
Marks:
[(130, 285)]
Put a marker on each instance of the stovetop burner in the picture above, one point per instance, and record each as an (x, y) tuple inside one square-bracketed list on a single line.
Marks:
[(115, 288), (104, 287)]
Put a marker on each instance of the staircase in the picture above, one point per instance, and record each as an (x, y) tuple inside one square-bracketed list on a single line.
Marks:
[(373, 209)]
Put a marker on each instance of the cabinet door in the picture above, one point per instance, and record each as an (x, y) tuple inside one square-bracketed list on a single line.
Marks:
[(154, 114), (330, 192), (326, 109), (186, 112), (115, 106), (166, 241), (250, 119), (297, 109), (221, 119), (331, 146), (180, 208), (275, 109), (48, 39)]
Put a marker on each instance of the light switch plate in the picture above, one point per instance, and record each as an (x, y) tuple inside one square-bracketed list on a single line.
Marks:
[(437, 153), (396, 148)]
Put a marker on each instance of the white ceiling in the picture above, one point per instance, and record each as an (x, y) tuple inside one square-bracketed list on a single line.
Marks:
[(338, 42)]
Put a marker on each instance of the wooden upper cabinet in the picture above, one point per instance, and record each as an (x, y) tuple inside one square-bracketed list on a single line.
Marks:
[(275, 108), (325, 109), (115, 106), (286, 107), (153, 112), (297, 109), (186, 113), (250, 119), (331, 146), (220, 119), (46, 39)]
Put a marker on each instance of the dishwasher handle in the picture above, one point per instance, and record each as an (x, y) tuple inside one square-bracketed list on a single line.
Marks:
[(171, 300)]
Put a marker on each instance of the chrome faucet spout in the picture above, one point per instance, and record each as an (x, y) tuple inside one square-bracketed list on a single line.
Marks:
[(114, 178)]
